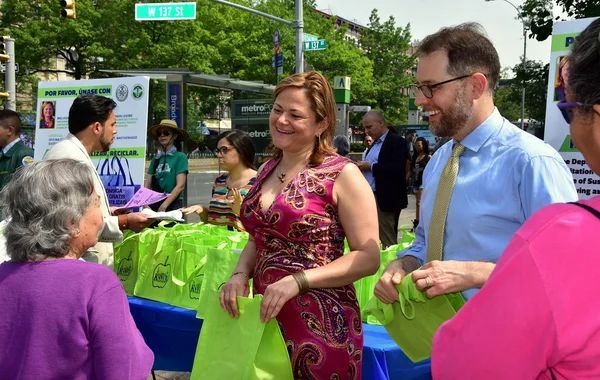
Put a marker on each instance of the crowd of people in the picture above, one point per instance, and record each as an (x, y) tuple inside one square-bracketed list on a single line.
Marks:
[(498, 220)]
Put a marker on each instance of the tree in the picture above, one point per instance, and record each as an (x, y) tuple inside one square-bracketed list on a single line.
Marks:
[(540, 15), (508, 106), (535, 77), (387, 46), (222, 40)]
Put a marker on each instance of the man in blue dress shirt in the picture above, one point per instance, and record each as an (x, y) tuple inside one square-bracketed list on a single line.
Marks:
[(504, 175)]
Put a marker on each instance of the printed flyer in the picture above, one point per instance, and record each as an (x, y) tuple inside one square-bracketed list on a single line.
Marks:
[(557, 131), (122, 167)]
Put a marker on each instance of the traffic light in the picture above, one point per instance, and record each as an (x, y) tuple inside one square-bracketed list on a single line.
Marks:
[(3, 53), (68, 8)]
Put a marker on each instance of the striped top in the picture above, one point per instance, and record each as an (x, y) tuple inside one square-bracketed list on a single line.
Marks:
[(219, 211)]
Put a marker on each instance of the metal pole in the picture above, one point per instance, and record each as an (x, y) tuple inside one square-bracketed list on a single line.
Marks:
[(523, 82), (290, 23), (9, 76), (299, 37)]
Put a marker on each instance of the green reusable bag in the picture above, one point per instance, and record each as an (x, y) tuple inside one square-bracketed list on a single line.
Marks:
[(157, 255), (127, 261), (414, 319), (366, 285), (188, 269), (220, 263), (242, 348)]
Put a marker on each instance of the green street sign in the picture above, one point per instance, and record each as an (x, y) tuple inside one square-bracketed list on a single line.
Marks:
[(315, 45), (310, 37), (165, 11)]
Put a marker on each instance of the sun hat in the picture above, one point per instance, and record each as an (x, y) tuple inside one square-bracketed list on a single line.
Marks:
[(169, 124)]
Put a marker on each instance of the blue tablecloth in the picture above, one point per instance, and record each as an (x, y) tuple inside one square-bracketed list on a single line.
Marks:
[(172, 334)]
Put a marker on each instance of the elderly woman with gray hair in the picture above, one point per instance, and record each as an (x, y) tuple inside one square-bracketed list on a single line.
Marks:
[(342, 145), (62, 318)]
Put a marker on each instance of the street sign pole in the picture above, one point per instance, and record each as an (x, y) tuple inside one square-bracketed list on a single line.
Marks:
[(276, 45), (299, 36), (298, 25), (9, 76)]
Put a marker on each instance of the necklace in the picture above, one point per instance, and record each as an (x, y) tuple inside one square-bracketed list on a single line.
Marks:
[(282, 175)]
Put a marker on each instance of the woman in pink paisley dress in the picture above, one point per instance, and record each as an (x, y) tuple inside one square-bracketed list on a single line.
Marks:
[(305, 201)]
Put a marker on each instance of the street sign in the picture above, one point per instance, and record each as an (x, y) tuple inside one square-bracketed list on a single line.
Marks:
[(359, 108), (310, 37), (277, 60), (315, 45), (165, 11), (276, 39), (3, 67)]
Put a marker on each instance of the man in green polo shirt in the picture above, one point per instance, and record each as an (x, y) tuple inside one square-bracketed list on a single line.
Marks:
[(14, 153)]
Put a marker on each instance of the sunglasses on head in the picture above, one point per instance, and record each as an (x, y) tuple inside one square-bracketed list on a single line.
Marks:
[(164, 132)]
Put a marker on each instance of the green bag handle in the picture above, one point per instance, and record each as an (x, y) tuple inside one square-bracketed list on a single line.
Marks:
[(383, 312), (180, 279)]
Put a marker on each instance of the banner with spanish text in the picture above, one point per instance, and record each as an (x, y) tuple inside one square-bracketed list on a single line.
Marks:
[(122, 167), (557, 131)]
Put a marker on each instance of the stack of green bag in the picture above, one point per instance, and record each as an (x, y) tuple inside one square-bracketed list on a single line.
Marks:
[(166, 264), (366, 285), (413, 319)]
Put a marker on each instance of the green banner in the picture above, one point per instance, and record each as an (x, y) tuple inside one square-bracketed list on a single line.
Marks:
[(121, 153), (563, 42), (73, 92), (568, 146)]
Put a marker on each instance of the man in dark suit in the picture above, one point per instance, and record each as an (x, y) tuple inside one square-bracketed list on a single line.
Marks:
[(385, 169)]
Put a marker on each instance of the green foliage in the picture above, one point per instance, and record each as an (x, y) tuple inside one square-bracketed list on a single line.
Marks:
[(387, 46), (357, 147), (541, 17), (535, 77), (222, 40), (507, 104)]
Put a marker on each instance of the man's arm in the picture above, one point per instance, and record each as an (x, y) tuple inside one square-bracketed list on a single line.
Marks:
[(545, 180), (408, 261), (443, 277)]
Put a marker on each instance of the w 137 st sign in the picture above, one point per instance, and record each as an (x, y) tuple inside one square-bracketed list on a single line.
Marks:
[(165, 11)]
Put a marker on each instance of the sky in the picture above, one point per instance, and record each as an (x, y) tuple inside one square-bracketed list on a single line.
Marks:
[(427, 16)]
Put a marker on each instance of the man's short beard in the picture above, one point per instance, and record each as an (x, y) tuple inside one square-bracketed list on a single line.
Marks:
[(105, 145), (454, 117)]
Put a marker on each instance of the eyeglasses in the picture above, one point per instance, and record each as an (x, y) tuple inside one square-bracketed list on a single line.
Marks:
[(427, 89), (566, 109), (223, 150), (164, 132)]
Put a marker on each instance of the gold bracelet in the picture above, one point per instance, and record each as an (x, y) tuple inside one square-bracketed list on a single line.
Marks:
[(302, 281), (234, 273)]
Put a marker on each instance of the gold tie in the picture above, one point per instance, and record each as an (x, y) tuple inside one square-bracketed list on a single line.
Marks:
[(435, 238)]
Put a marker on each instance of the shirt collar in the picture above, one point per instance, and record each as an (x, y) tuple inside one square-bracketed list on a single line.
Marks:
[(7, 148), (475, 140), (382, 138)]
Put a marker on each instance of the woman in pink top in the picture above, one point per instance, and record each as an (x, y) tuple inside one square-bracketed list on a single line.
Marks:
[(538, 316)]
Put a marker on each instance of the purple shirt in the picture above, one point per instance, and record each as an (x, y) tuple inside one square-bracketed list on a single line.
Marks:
[(68, 319)]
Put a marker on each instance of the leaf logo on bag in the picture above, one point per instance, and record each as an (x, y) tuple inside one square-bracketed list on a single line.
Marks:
[(161, 274), (195, 286), (125, 268)]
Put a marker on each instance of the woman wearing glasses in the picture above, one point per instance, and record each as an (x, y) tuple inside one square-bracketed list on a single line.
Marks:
[(537, 315), (169, 168), (235, 151)]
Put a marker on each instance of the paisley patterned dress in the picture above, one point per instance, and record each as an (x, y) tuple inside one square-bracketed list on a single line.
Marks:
[(301, 230)]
